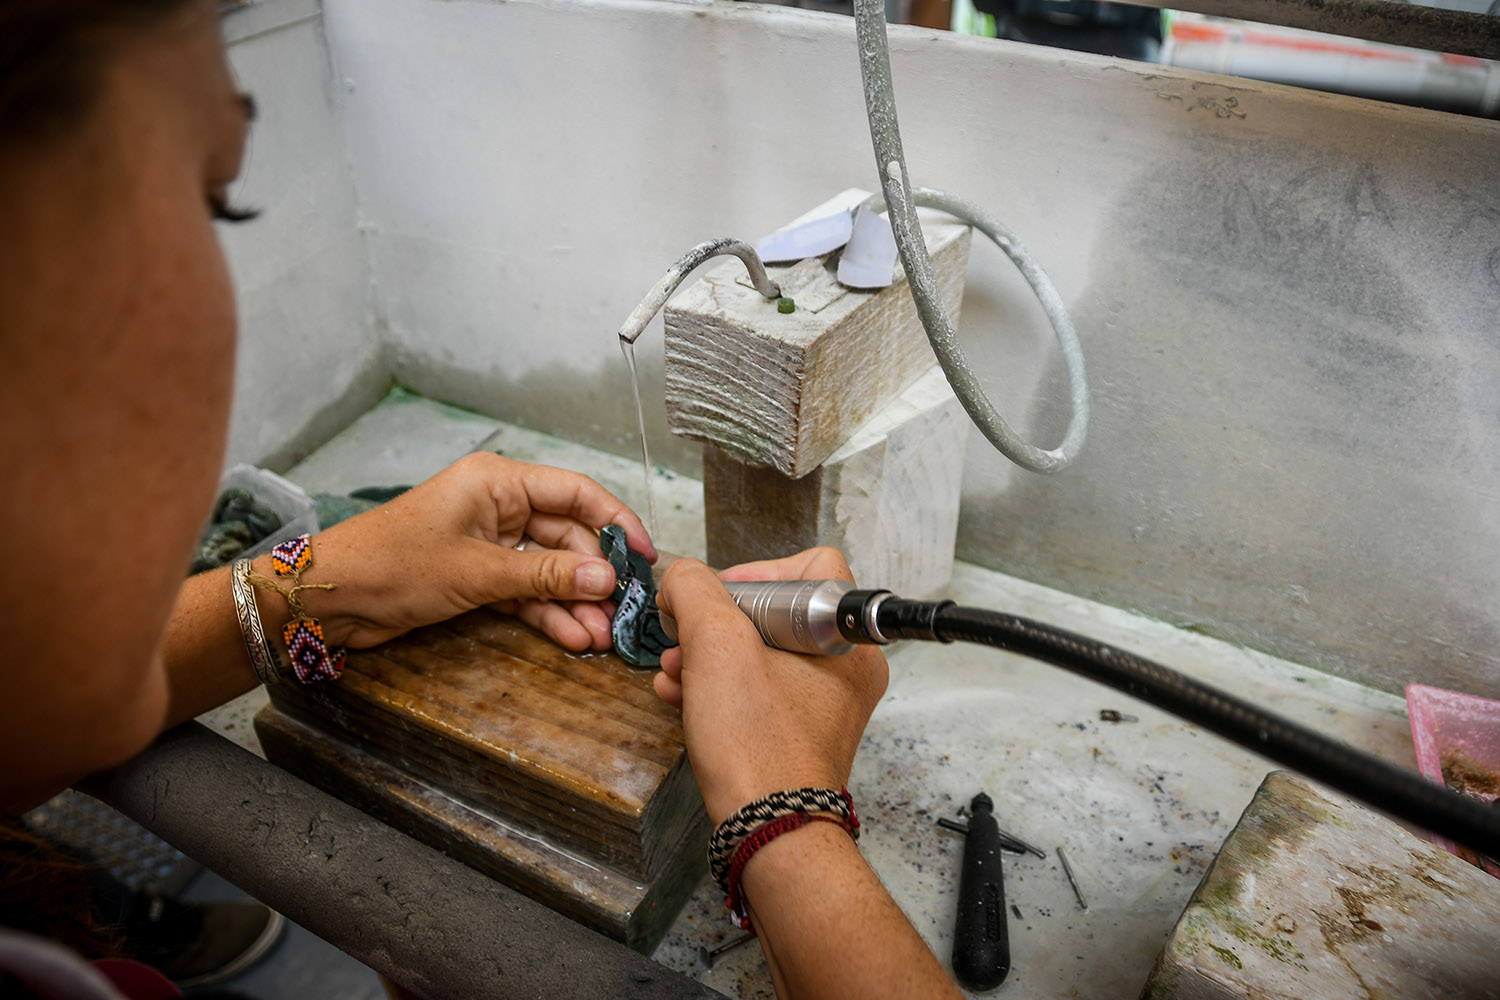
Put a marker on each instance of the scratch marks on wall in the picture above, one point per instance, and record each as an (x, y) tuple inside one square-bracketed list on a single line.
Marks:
[(1216, 100)]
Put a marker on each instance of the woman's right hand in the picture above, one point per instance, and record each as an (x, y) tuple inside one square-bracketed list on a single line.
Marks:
[(760, 720)]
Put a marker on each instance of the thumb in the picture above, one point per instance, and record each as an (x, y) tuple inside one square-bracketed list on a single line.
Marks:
[(556, 574)]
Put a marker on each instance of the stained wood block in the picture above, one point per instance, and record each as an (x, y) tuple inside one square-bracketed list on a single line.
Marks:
[(561, 774), (785, 390), (888, 497), (1315, 896)]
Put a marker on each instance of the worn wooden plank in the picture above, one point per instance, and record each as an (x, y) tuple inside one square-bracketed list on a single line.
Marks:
[(635, 911), (1315, 896), (785, 390), (887, 498), (576, 748)]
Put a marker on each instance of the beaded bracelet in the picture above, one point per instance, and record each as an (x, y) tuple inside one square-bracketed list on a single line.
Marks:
[(312, 659), (263, 657), (730, 833)]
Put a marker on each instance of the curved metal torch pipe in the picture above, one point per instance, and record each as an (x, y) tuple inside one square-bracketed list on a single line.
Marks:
[(636, 322)]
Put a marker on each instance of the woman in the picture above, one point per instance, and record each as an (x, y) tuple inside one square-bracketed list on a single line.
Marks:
[(121, 130)]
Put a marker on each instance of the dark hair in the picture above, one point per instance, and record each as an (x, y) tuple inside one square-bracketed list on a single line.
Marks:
[(52, 54), (47, 891)]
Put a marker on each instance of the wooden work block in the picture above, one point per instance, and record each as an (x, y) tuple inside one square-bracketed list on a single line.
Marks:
[(1315, 896), (887, 498), (785, 390), (561, 774)]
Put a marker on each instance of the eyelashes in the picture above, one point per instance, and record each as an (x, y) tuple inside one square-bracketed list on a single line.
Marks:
[(219, 207), (222, 211)]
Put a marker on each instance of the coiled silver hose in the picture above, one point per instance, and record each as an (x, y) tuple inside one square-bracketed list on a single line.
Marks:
[(902, 201)]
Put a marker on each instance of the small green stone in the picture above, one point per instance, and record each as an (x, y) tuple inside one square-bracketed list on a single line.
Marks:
[(785, 305)]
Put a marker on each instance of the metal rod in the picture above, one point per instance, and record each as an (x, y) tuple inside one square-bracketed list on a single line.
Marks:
[(953, 824), (1009, 842), (426, 921), (707, 957), (1028, 848), (1068, 871)]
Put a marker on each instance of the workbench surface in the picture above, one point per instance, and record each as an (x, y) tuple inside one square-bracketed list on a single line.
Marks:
[(1141, 807)]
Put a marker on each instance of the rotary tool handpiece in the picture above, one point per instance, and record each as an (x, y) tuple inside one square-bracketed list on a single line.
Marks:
[(820, 617)]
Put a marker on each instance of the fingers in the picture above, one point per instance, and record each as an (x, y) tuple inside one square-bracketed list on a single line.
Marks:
[(668, 682), (595, 619), (578, 627), (759, 719), (557, 623), (574, 495), (822, 563), (668, 689), (545, 574), (554, 531), (688, 583)]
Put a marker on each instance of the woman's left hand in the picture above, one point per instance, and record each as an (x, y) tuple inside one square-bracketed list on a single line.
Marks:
[(449, 545)]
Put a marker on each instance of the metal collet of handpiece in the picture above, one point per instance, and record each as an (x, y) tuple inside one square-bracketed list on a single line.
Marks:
[(818, 617)]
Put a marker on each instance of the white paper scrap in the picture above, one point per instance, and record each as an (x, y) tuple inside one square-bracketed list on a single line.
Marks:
[(810, 239), (869, 261)]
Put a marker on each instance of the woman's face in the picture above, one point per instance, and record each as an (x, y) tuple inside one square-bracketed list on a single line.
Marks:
[(117, 329)]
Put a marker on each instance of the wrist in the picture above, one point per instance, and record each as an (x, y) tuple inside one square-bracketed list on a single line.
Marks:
[(789, 856), (737, 840), (327, 606), (727, 798)]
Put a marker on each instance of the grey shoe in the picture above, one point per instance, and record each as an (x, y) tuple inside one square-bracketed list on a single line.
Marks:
[(198, 944)]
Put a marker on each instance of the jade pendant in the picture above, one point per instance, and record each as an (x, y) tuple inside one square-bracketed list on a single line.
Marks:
[(636, 627)]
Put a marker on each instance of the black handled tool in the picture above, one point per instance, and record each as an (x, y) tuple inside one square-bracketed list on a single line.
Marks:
[(981, 939)]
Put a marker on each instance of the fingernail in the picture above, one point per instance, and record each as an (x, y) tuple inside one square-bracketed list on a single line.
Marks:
[(594, 579)]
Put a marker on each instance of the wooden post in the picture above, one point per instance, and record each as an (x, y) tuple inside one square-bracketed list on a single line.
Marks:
[(887, 498)]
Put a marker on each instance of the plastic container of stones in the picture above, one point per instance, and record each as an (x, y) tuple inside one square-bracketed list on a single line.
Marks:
[(295, 508), (1457, 738)]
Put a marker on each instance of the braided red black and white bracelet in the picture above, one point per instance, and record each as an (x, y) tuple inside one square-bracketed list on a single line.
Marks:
[(728, 835), (737, 839)]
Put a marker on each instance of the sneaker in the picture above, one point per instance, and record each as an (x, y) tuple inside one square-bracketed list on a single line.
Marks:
[(198, 944)]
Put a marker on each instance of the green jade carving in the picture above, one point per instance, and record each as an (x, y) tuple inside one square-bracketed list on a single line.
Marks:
[(636, 627)]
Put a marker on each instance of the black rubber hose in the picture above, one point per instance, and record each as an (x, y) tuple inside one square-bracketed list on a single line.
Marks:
[(1379, 784)]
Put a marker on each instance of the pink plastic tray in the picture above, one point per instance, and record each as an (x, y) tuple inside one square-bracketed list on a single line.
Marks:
[(1461, 732)]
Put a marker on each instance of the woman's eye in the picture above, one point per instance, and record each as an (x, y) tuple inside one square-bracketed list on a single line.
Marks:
[(222, 211)]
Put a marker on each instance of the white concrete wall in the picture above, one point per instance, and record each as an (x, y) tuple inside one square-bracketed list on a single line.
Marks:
[(1288, 300), (310, 359)]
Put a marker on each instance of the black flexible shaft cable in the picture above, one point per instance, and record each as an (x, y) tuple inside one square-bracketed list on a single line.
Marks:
[(1379, 784)]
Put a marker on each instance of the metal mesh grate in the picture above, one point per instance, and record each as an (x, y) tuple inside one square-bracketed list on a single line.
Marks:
[(131, 853)]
